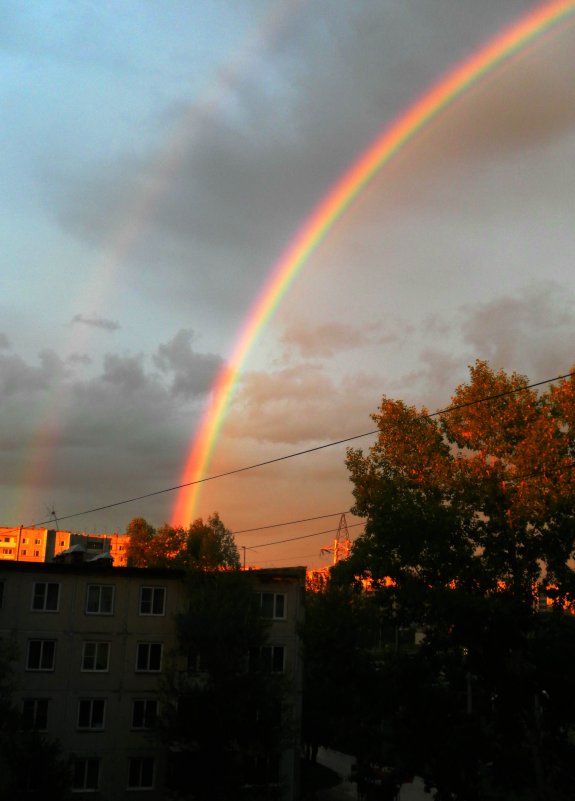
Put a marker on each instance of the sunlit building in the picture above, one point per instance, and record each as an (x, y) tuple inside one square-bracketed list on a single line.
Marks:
[(42, 544), (92, 642)]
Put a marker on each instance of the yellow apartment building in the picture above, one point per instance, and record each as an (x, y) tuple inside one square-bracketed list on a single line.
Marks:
[(42, 544)]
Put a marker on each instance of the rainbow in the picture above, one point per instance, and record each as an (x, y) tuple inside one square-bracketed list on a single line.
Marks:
[(329, 210)]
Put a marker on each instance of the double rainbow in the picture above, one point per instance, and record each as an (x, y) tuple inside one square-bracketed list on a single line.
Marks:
[(330, 209)]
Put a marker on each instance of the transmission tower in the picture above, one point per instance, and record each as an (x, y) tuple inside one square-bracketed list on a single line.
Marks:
[(342, 544)]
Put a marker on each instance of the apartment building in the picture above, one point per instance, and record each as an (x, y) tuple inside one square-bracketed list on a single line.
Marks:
[(42, 544), (92, 643)]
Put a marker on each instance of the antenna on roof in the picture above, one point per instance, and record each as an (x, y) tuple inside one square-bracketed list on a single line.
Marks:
[(52, 513)]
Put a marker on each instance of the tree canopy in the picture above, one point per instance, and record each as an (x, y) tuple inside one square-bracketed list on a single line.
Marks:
[(470, 513), (225, 717), (202, 546)]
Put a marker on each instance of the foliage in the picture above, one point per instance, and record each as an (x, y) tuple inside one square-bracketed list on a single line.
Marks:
[(30, 764), (225, 712), (338, 702), (203, 545), (468, 513)]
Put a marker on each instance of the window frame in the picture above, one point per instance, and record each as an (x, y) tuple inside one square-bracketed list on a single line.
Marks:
[(44, 598), (99, 611), (41, 655), (140, 763), (275, 602), (95, 643), (96, 714), (269, 664), (148, 714), (88, 784), (34, 714), (153, 589), (149, 645)]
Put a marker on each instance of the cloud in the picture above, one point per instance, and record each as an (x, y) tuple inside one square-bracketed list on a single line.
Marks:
[(242, 182), (194, 373), (301, 404), (96, 322), (5, 343), (327, 339), (532, 332)]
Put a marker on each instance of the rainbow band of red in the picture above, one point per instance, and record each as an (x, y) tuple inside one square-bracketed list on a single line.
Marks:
[(329, 210)]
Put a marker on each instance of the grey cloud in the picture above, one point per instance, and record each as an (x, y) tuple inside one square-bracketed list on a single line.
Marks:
[(17, 377), (79, 358), (194, 372), (241, 188), (532, 332), (96, 322), (5, 343)]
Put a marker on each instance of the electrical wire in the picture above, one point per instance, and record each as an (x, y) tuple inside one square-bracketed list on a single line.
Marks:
[(277, 459)]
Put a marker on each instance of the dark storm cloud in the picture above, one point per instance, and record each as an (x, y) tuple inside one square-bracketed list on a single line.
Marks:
[(96, 322), (193, 372), (220, 218)]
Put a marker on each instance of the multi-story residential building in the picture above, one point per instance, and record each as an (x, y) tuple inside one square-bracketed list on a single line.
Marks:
[(92, 642), (42, 544)]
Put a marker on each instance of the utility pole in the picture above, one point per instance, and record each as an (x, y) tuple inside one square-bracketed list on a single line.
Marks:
[(341, 547)]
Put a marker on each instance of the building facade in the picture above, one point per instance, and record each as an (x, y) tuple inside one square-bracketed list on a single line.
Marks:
[(92, 643), (42, 544)]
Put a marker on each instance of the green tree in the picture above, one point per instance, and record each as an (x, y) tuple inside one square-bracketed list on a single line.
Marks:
[(468, 512), (225, 716), (203, 545)]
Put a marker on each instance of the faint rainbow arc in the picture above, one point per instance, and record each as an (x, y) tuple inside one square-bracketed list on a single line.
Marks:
[(332, 206)]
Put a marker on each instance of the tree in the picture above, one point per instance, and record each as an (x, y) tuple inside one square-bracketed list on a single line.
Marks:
[(203, 545), (468, 513), (30, 765), (224, 718)]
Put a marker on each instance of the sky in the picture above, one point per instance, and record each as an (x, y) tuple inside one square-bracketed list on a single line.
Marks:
[(158, 158)]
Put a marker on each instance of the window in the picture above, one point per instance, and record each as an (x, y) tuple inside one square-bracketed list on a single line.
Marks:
[(100, 599), (24, 551), (35, 714), (152, 600), (24, 540), (149, 656), (95, 656), (37, 541), (141, 773), (45, 598), (91, 713), (85, 774), (7, 550), (273, 605), (95, 545), (36, 553), (62, 543), (41, 654), (269, 658), (144, 713)]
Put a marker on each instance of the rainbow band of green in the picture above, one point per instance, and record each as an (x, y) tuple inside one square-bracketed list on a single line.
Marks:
[(330, 209)]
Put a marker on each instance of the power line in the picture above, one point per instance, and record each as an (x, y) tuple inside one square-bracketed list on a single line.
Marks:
[(288, 523), (277, 459), (303, 536)]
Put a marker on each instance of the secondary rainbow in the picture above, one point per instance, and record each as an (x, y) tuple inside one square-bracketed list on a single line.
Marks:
[(330, 209)]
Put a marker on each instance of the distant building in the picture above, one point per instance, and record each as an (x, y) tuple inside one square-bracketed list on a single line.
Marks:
[(92, 641), (42, 544)]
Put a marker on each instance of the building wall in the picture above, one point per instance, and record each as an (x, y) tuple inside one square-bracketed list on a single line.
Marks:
[(81, 617), (42, 544)]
